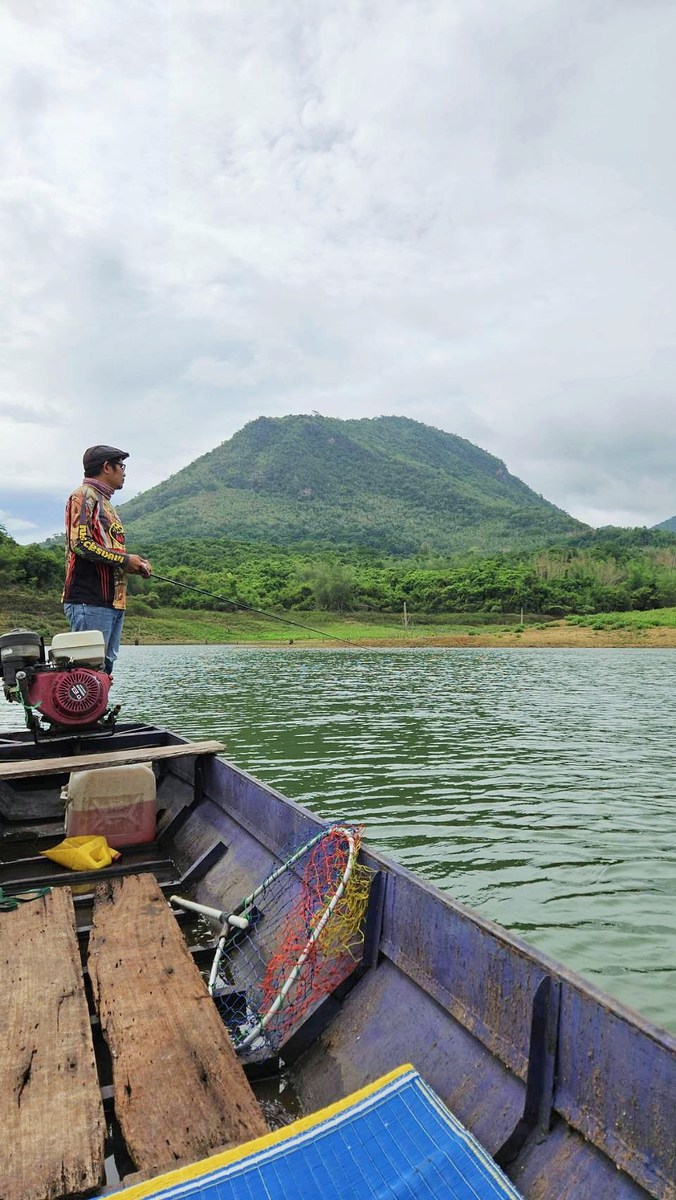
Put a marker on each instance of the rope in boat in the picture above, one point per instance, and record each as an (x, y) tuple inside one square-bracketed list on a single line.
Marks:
[(248, 607), (9, 902)]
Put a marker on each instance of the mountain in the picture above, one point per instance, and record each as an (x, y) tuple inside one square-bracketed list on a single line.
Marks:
[(669, 525), (390, 483)]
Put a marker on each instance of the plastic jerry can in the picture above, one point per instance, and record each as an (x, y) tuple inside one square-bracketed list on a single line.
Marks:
[(118, 803)]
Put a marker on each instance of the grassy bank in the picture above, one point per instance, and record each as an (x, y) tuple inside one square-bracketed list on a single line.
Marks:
[(181, 626)]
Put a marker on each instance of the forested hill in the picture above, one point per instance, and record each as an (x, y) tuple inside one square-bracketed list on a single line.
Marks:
[(669, 526), (388, 483)]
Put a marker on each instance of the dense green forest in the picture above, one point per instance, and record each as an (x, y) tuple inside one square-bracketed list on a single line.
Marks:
[(388, 484), (605, 570)]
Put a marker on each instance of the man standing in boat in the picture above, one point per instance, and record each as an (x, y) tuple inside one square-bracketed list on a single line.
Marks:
[(97, 563)]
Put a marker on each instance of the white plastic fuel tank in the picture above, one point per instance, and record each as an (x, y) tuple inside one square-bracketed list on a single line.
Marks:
[(88, 647), (118, 803)]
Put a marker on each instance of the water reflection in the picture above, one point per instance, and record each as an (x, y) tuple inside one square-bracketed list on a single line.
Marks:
[(538, 786)]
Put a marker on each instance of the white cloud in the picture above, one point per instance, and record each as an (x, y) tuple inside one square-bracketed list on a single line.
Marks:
[(16, 527), (463, 213)]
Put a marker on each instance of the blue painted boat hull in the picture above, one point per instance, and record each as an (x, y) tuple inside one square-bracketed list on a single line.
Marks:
[(494, 1026), (573, 1094)]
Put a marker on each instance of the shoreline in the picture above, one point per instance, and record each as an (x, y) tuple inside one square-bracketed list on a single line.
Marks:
[(178, 627), (554, 637)]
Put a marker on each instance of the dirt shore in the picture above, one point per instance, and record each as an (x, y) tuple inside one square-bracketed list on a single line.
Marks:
[(556, 635)]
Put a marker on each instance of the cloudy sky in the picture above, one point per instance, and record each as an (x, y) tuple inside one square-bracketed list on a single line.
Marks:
[(460, 211)]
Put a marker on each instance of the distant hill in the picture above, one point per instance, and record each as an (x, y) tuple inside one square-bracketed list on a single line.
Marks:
[(669, 525), (389, 483)]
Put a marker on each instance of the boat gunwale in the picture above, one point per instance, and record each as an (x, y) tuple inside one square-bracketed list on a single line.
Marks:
[(640, 1166), (585, 1120), (380, 860)]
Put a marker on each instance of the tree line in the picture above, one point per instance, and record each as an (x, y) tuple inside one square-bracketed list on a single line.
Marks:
[(601, 571)]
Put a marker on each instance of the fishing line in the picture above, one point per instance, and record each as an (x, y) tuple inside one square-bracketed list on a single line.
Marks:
[(259, 611)]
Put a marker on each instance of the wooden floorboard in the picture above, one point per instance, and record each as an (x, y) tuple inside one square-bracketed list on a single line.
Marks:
[(35, 768), (51, 1115), (180, 1091)]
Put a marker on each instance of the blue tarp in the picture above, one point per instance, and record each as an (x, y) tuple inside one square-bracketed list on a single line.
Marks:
[(392, 1139)]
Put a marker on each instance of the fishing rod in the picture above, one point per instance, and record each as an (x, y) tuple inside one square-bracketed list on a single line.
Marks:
[(240, 604)]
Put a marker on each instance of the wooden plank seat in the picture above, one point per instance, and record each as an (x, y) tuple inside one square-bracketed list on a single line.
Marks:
[(179, 1089), (51, 1113), (36, 767)]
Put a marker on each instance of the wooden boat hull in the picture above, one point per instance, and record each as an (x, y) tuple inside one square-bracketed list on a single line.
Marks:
[(572, 1093)]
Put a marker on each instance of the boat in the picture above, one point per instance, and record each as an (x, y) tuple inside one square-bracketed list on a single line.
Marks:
[(570, 1093)]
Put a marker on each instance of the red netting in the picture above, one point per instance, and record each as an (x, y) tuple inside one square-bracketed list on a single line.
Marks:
[(306, 939)]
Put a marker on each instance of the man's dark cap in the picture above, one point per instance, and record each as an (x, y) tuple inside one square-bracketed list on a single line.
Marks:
[(94, 458)]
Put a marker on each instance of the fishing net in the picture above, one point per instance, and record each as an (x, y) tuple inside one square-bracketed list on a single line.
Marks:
[(296, 938)]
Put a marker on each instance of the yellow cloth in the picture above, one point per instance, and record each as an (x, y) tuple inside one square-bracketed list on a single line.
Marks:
[(85, 853)]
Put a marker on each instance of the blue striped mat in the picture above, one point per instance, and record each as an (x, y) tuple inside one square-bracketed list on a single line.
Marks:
[(393, 1138)]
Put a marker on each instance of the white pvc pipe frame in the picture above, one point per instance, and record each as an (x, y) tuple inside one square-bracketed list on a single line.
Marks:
[(233, 920)]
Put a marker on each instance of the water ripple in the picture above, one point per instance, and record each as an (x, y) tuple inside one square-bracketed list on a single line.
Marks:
[(537, 786)]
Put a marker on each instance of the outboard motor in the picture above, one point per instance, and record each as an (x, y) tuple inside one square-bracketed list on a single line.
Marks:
[(62, 689)]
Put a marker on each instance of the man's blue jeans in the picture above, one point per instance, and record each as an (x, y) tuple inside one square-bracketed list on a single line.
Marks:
[(81, 617)]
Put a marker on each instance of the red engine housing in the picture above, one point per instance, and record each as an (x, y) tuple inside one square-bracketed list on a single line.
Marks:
[(75, 697)]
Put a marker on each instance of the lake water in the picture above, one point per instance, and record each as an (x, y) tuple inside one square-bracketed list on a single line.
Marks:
[(538, 786)]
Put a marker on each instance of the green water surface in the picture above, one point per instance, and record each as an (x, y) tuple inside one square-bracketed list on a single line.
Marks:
[(537, 786)]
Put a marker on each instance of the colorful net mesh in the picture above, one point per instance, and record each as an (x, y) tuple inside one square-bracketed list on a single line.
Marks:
[(304, 936)]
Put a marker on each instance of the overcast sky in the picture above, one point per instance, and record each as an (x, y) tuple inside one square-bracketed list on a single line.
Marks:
[(460, 211)]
